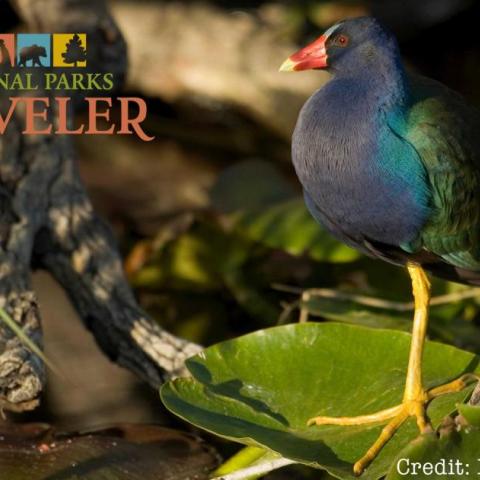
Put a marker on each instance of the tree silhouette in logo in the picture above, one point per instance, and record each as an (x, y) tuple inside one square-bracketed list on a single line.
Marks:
[(75, 52)]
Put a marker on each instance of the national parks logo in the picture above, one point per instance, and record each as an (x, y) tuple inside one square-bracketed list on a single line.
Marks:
[(58, 62), (44, 50)]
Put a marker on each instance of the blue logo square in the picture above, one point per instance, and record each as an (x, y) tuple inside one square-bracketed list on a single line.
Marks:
[(34, 50)]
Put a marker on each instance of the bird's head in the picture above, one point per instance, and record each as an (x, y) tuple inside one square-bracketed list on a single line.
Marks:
[(344, 47)]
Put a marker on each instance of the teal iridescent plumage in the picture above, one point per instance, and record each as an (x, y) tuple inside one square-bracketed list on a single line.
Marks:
[(445, 131)]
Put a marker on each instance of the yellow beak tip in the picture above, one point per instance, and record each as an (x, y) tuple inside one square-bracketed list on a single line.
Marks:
[(287, 66)]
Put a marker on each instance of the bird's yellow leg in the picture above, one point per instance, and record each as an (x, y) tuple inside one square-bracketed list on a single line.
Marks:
[(415, 397)]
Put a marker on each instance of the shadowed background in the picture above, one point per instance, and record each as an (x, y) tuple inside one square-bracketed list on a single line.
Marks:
[(208, 215)]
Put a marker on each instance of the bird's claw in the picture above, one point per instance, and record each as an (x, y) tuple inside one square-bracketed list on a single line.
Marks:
[(396, 416)]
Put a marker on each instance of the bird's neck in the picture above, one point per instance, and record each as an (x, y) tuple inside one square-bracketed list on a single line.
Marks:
[(377, 89)]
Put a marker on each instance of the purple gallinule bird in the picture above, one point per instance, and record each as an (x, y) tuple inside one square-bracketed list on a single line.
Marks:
[(390, 165)]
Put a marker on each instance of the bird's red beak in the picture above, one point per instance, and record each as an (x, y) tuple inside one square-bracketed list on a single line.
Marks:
[(310, 57)]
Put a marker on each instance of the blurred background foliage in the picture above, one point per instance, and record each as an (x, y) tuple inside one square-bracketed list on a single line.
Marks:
[(210, 215), (213, 223)]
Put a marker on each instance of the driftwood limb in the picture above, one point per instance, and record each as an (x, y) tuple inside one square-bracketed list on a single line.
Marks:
[(47, 221)]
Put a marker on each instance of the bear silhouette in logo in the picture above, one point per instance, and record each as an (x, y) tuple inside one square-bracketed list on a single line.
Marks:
[(4, 53), (33, 53)]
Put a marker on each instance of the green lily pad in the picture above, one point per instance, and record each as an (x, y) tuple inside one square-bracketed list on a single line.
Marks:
[(454, 455), (262, 388)]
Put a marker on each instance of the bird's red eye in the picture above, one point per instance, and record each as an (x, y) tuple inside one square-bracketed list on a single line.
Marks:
[(341, 41)]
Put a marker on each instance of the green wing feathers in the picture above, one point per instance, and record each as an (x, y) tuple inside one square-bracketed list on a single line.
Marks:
[(445, 132)]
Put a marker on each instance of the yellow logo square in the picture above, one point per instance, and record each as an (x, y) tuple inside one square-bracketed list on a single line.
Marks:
[(69, 50)]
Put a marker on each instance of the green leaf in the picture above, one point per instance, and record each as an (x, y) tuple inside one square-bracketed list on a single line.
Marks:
[(454, 455), (245, 457), (347, 311), (261, 389), (197, 259), (289, 226)]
